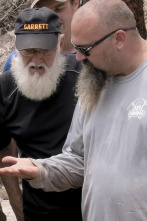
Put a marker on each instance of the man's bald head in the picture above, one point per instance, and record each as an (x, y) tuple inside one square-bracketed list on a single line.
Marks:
[(111, 15)]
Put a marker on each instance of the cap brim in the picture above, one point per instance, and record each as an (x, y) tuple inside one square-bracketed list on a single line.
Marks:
[(41, 41), (36, 1)]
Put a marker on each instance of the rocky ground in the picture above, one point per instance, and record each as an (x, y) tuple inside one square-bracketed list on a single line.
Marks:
[(8, 210), (8, 12), (6, 205), (6, 47)]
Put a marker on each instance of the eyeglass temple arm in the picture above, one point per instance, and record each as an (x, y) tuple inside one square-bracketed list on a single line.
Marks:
[(98, 42)]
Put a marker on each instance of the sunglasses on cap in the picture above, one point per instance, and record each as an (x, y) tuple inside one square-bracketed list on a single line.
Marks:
[(85, 50)]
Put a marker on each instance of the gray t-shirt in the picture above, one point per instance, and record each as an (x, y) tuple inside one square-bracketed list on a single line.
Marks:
[(106, 151)]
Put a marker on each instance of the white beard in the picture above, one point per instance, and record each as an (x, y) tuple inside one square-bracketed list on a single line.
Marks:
[(38, 87)]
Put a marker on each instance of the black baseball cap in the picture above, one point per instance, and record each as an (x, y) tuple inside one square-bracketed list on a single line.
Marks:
[(35, 2), (37, 28)]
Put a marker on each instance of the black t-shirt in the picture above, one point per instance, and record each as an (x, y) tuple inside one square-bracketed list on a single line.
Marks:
[(40, 129)]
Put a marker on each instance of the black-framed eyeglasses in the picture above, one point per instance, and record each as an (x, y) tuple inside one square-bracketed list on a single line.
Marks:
[(85, 50)]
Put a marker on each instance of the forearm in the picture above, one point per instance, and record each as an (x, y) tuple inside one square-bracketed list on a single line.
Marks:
[(66, 170), (10, 150), (58, 173)]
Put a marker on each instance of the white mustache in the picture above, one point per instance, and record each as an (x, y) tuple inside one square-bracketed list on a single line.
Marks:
[(32, 65)]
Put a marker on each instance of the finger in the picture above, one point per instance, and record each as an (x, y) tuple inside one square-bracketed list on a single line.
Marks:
[(29, 173), (9, 159), (12, 171), (9, 171)]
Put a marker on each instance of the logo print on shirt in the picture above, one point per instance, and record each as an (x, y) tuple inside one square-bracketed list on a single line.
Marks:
[(137, 109)]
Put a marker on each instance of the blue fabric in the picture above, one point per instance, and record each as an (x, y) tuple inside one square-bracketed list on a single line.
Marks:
[(7, 65)]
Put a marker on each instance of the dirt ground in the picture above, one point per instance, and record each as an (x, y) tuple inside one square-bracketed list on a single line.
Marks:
[(6, 205), (8, 210)]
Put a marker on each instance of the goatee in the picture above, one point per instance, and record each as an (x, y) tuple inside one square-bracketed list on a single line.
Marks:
[(90, 83)]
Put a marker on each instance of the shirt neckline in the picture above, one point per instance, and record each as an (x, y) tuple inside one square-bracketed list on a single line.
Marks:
[(133, 75)]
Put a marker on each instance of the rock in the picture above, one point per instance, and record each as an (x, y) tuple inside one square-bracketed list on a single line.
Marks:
[(7, 45), (7, 209), (3, 194), (9, 10)]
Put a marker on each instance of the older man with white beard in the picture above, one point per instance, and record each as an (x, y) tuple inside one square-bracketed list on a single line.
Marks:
[(37, 101)]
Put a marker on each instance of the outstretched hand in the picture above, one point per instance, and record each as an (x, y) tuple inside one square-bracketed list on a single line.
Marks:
[(20, 167)]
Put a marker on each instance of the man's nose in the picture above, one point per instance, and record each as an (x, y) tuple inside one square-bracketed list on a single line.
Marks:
[(37, 57)]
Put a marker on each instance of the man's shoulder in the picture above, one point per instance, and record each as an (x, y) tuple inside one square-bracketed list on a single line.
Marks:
[(72, 64), (7, 76), (7, 81)]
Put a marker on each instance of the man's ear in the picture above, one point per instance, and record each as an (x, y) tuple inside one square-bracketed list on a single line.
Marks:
[(120, 37), (62, 42), (76, 4)]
